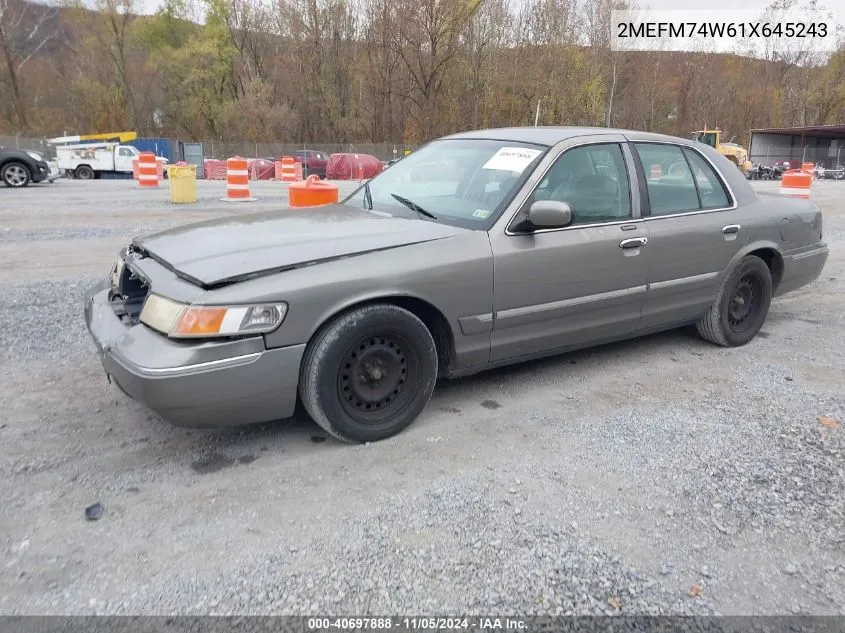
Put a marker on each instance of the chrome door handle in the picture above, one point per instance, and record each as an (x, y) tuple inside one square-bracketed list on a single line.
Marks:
[(634, 242), (731, 228)]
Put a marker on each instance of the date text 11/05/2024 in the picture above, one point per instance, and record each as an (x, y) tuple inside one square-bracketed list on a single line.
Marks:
[(417, 624)]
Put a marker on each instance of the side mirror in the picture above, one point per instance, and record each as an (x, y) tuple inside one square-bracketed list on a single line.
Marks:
[(549, 214)]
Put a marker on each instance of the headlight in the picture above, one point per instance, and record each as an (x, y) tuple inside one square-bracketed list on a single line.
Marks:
[(178, 320), (35, 155)]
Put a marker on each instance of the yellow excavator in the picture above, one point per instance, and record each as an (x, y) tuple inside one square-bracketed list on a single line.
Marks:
[(734, 152)]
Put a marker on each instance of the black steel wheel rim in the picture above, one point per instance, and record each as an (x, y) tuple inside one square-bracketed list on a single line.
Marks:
[(377, 378), (745, 304)]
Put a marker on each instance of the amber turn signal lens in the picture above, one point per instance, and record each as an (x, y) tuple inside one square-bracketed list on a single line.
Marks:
[(199, 321)]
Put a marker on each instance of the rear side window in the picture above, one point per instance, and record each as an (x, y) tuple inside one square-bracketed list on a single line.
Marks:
[(671, 188), (710, 188)]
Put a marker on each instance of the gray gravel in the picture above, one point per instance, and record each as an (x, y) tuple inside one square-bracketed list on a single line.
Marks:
[(54, 307), (657, 476), (17, 236)]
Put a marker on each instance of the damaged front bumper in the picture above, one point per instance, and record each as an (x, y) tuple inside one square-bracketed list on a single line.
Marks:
[(192, 383)]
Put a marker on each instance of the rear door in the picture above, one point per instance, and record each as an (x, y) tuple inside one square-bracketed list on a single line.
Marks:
[(694, 229), (561, 288)]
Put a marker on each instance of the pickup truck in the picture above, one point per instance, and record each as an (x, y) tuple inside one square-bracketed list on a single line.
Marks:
[(91, 160), (313, 161)]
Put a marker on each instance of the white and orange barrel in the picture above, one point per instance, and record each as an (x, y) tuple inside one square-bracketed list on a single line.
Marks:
[(237, 180), (298, 171), (796, 183), (277, 170), (134, 169), (148, 170), (288, 169), (808, 167)]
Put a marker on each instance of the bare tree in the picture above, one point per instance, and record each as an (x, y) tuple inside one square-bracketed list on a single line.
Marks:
[(484, 37), (25, 29), (108, 23), (427, 42)]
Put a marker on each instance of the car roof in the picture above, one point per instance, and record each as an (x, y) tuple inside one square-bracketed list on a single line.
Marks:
[(552, 135)]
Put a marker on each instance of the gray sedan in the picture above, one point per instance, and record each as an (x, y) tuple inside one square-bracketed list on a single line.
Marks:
[(475, 251)]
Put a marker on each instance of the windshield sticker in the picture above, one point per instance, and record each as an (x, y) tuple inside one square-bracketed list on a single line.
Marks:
[(512, 159), (481, 213)]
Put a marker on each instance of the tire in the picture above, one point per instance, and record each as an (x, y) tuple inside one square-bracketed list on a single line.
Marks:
[(388, 344), (84, 172), (15, 174), (741, 305)]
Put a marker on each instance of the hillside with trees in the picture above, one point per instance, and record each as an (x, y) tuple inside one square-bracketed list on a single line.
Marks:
[(376, 70)]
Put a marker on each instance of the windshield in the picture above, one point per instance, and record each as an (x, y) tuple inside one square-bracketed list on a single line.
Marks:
[(454, 181), (708, 138)]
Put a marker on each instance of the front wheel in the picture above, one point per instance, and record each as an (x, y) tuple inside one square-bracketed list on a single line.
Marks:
[(369, 373), (741, 306), (15, 175)]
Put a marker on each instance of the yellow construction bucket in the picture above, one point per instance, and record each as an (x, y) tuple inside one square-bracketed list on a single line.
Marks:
[(183, 183)]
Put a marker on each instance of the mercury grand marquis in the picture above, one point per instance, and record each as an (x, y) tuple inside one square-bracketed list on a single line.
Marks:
[(477, 250)]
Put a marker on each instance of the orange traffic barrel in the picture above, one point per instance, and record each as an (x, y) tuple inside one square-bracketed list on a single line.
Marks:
[(148, 175), (288, 169), (808, 167), (237, 180), (312, 192), (298, 171), (796, 183)]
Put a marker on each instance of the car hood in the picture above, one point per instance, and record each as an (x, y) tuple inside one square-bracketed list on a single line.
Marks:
[(227, 250)]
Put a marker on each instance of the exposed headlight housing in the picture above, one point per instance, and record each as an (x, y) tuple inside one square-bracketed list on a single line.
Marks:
[(179, 320), (116, 271), (35, 156)]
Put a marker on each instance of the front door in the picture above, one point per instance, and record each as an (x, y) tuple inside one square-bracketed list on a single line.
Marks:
[(586, 282), (694, 228), (123, 159)]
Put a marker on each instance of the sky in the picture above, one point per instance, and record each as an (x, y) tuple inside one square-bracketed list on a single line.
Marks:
[(837, 6), (150, 6)]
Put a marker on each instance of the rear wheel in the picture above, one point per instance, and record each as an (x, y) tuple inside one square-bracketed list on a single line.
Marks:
[(741, 306), (15, 175), (84, 172), (369, 373)]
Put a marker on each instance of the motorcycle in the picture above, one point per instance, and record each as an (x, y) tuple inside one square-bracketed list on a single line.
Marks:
[(777, 170)]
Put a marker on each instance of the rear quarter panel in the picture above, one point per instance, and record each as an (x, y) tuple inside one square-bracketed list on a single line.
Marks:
[(787, 225)]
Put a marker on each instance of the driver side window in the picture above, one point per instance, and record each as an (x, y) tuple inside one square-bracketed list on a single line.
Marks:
[(592, 180)]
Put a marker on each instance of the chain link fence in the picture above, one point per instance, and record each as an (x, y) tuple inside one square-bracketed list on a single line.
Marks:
[(221, 150), (33, 144)]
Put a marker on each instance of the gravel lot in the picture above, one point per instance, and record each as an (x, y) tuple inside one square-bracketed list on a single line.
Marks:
[(662, 475)]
